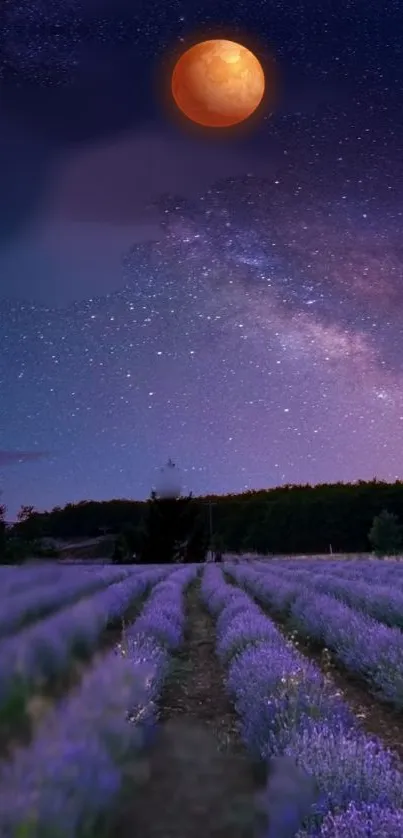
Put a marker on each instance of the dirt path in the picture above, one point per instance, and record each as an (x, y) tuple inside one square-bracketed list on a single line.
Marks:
[(200, 782), (375, 717)]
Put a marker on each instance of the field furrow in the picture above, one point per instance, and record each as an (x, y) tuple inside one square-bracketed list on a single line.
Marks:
[(155, 703), (377, 660), (287, 708), (67, 783), (45, 658), (17, 610), (381, 600), (201, 781)]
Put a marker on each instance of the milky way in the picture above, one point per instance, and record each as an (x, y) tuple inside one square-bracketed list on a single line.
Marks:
[(257, 342), (253, 344)]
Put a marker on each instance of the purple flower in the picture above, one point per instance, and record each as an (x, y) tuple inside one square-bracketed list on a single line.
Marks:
[(42, 599), (43, 651), (327, 620), (366, 821), (287, 707), (66, 782)]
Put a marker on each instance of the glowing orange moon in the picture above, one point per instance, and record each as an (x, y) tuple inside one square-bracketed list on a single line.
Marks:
[(218, 83)]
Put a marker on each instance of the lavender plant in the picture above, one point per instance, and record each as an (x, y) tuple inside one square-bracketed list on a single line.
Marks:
[(44, 651), (68, 780), (379, 661), (378, 598), (367, 821), (33, 604), (288, 708)]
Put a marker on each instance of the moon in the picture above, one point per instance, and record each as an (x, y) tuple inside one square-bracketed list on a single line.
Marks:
[(218, 83)]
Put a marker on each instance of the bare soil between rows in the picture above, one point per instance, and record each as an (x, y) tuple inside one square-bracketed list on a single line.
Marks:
[(376, 717), (201, 782)]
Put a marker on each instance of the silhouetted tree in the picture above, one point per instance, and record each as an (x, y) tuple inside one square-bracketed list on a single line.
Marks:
[(386, 534), (196, 543), (133, 537), (173, 531), (3, 510), (121, 550), (29, 525), (280, 520)]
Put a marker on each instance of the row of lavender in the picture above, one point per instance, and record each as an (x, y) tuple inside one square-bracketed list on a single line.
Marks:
[(287, 707), (42, 652), (382, 600), (20, 606), (16, 578), (370, 570), (364, 646), (68, 781)]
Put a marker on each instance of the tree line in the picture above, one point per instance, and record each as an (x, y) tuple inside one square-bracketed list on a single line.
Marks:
[(287, 520)]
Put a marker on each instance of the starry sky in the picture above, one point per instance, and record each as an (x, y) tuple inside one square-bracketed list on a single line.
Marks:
[(231, 299)]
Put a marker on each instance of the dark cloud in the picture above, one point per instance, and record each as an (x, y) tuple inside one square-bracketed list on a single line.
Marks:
[(101, 200), (83, 74)]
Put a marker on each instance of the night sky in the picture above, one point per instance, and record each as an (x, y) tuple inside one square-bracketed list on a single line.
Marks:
[(231, 299)]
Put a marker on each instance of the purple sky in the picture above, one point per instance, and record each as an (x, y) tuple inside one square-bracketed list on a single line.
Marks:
[(253, 330)]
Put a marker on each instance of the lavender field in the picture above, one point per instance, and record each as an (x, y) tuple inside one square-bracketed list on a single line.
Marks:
[(152, 700)]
